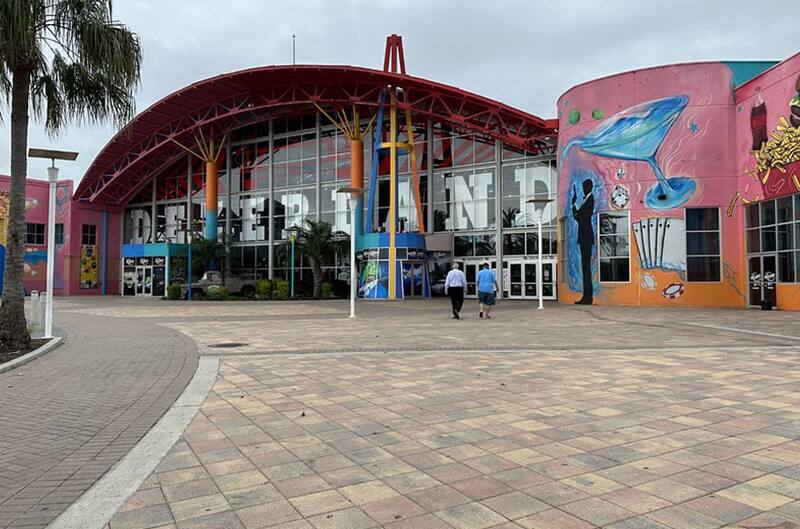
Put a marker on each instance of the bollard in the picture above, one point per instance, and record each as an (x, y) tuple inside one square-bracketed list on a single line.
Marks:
[(42, 309), (35, 310)]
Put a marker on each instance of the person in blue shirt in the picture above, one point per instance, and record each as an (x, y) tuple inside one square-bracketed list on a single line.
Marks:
[(487, 286)]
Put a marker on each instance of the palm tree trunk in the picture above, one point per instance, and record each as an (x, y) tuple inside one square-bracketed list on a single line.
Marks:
[(317, 280), (12, 311)]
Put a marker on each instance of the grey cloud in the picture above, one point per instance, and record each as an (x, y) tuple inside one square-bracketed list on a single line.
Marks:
[(523, 53)]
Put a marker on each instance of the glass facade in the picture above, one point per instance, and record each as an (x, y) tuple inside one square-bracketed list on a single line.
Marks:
[(773, 232), (277, 174)]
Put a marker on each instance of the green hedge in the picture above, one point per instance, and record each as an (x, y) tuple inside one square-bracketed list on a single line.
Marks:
[(325, 290), (281, 290), (264, 288), (174, 291)]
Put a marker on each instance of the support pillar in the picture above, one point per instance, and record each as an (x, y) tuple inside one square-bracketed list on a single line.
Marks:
[(211, 200), (357, 181)]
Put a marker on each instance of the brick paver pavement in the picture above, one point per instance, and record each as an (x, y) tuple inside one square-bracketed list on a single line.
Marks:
[(700, 430), (69, 416)]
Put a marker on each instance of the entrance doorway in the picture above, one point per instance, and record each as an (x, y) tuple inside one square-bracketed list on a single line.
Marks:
[(519, 279), (144, 280), (762, 278), (471, 269), (414, 279)]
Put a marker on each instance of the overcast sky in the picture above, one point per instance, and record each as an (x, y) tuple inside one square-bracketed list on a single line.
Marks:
[(524, 52)]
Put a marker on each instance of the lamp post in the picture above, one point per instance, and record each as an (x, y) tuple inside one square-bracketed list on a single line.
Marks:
[(540, 203), (292, 238), (353, 195), (52, 178)]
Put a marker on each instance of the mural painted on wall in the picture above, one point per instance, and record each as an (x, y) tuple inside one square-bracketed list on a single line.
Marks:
[(636, 134), (88, 273), (774, 167), (653, 143)]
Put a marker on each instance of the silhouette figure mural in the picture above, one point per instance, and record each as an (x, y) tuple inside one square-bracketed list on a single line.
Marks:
[(583, 215)]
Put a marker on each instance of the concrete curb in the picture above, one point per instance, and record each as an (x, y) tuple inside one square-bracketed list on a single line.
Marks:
[(98, 505), (33, 355)]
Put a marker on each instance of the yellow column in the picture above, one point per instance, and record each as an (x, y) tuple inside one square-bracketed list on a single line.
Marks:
[(393, 197)]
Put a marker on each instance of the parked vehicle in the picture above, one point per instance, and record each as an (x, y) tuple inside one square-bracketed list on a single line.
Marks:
[(213, 278)]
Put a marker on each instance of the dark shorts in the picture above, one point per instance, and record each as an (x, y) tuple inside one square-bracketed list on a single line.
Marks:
[(487, 298)]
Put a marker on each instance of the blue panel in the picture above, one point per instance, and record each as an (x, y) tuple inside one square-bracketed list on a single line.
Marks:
[(160, 249), (743, 71)]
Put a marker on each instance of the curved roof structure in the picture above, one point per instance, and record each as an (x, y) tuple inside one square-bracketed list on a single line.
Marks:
[(234, 100)]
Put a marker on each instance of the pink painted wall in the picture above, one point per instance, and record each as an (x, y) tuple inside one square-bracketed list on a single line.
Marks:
[(597, 140), (775, 89), (768, 108), (72, 215)]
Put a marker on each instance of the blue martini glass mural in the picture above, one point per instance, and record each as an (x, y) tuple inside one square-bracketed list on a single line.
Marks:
[(636, 134)]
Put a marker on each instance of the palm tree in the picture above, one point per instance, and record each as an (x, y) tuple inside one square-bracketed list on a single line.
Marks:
[(65, 60), (318, 242)]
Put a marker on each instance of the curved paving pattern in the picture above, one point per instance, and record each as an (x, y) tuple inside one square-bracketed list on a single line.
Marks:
[(68, 417)]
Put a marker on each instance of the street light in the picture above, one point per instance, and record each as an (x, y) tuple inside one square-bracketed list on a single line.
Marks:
[(539, 203), (293, 230), (353, 194), (52, 178)]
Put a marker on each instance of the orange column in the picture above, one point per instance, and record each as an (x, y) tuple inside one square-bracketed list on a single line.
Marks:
[(357, 180)]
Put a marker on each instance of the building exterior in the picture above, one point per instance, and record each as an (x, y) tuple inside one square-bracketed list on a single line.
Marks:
[(678, 186), (673, 185), (87, 241), (282, 162)]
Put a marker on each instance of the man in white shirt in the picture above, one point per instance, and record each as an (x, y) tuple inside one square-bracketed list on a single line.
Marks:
[(454, 285)]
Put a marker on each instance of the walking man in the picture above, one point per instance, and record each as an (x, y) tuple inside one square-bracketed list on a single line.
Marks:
[(487, 286), (454, 284)]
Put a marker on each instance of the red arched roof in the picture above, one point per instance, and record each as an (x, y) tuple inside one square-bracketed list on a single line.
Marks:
[(230, 101)]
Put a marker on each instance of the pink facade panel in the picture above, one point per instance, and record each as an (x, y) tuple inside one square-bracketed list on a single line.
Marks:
[(71, 256)]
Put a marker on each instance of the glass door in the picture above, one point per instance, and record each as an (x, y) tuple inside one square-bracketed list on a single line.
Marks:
[(769, 272), (762, 278), (549, 279), (515, 284), (144, 280), (530, 280), (754, 280)]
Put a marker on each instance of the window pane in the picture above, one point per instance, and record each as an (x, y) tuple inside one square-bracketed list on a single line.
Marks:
[(514, 244), (768, 239), (751, 215), (786, 267), (702, 219), (784, 209), (614, 246), (753, 241), (614, 270), (613, 223), (463, 246), (702, 243), (785, 236), (702, 268), (768, 212), (485, 245)]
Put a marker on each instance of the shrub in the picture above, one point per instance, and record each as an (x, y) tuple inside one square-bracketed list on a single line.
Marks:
[(281, 290), (264, 288), (216, 292), (325, 290), (174, 291)]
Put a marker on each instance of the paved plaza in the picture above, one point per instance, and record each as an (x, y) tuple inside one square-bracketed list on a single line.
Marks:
[(571, 417)]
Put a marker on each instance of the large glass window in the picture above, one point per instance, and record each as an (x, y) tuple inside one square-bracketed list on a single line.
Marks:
[(614, 247), (464, 200), (137, 225), (521, 183), (702, 244), (773, 227)]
